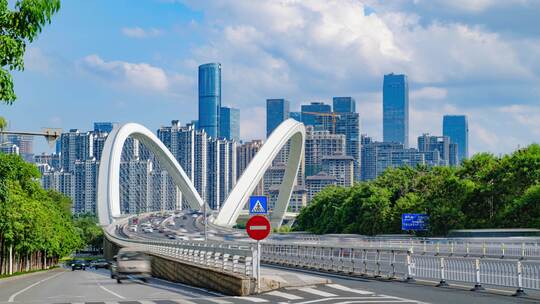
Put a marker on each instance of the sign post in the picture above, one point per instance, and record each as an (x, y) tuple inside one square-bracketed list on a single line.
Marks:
[(258, 228)]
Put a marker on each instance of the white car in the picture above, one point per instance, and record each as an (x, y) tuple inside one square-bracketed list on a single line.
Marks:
[(148, 230), (133, 228)]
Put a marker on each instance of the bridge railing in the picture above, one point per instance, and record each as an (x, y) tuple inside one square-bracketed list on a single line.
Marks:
[(229, 258), (406, 264), (526, 249)]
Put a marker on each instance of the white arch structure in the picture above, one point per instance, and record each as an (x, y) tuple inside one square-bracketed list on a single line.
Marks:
[(289, 129), (108, 192)]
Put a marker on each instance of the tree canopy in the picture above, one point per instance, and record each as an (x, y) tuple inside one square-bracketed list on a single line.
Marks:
[(18, 27), (33, 219), (484, 192)]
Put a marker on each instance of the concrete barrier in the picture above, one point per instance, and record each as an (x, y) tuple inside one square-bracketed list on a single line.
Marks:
[(174, 270)]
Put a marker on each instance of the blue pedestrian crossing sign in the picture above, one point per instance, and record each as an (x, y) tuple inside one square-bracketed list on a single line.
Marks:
[(258, 205)]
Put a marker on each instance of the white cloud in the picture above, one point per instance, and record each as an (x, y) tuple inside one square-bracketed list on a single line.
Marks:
[(429, 93), (138, 32), (36, 60), (477, 6), (137, 75)]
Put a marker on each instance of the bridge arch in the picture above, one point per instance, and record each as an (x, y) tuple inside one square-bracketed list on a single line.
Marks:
[(108, 191), (289, 129)]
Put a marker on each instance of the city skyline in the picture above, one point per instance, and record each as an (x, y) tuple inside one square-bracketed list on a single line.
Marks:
[(107, 69)]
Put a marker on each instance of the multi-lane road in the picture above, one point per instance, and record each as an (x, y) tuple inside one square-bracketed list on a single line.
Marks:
[(96, 287)]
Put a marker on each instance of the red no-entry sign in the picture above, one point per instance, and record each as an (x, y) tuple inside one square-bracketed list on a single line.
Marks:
[(258, 227)]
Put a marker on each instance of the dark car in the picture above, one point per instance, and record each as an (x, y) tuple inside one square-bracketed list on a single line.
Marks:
[(100, 263), (78, 264)]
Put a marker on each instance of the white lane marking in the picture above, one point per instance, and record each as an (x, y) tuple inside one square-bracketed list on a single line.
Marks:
[(218, 301), (373, 299), (317, 292), (110, 291), (285, 295), (252, 299), (104, 288), (348, 289), (12, 297), (403, 299)]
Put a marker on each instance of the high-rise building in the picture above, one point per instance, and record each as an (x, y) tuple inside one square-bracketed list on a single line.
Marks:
[(59, 181), (378, 156), (210, 98), (318, 145), (104, 127), (341, 167), (457, 128), (229, 125), (75, 145), (440, 145), (85, 173), (316, 183), (298, 198), (315, 107), (396, 109), (53, 160), (344, 104), (277, 111), (296, 116), (348, 124), (24, 143), (244, 154)]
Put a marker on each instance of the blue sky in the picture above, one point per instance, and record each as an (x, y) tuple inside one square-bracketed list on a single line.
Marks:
[(124, 60)]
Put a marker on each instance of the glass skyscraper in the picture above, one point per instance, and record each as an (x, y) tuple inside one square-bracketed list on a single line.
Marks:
[(209, 98), (344, 104), (312, 119), (396, 109), (277, 111), (229, 123), (457, 128)]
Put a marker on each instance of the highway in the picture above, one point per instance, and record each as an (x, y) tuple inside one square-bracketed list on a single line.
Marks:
[(96, 287)]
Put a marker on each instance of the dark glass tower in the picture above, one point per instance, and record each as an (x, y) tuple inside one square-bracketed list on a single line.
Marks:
[(209, 98), (344, 104), (396, 109), (457, 128), (229, 124), (314, 107), (277, 111)]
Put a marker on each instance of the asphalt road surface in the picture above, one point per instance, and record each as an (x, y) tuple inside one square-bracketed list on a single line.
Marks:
[(91, 286)]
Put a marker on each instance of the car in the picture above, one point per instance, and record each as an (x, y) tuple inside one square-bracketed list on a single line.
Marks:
[(99, 263), (130, 262), (148, 230), (161, 230), (171, 237), (133, 228), (78, 264)]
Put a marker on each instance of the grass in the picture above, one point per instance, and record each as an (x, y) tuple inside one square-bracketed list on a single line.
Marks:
[(3, 276)]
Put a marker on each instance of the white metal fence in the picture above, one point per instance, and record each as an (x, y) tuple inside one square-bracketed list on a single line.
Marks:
[(407, 264), (224, 257)]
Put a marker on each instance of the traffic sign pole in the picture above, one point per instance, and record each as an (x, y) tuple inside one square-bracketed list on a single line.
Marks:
[(258, 228), (258, 266)]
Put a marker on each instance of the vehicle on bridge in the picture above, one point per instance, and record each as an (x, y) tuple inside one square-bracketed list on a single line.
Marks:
[(130, 263), (99, 263)]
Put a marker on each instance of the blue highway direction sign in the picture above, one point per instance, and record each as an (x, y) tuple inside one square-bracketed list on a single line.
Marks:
[(258, 205), (414, 221)]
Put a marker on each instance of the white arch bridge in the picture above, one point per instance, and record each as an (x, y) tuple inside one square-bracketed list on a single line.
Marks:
[(108, 192)]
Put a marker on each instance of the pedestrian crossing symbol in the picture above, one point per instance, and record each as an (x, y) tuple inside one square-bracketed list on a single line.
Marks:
[(258, 205)]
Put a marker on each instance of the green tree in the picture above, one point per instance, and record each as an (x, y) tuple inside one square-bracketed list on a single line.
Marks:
[(321, 215), (19, 27), (89, 230), (366, 210), (523, 212)]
